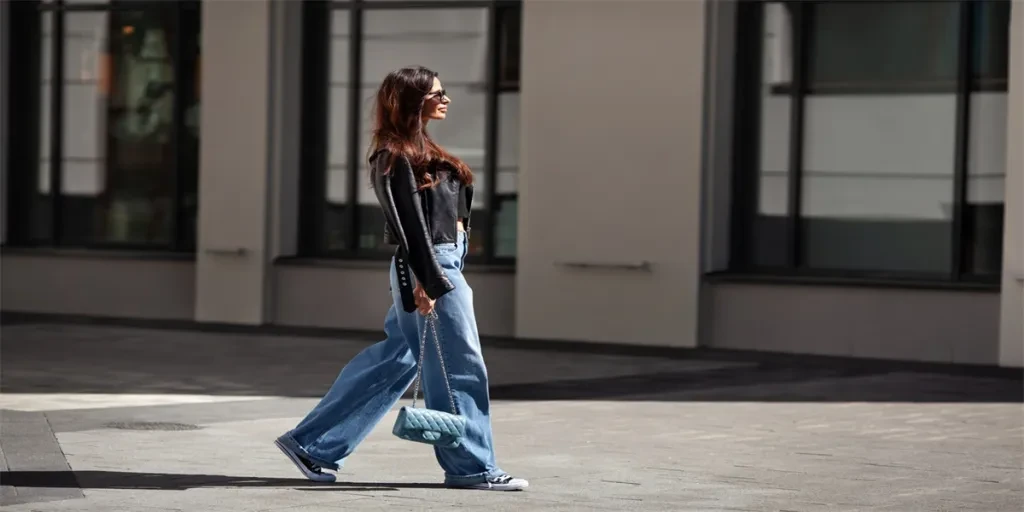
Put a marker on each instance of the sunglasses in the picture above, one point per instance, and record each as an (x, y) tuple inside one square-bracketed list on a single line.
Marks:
[(438, 94)]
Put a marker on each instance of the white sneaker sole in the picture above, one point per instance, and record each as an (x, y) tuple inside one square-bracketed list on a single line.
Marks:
[(517, 484), (316, 477)]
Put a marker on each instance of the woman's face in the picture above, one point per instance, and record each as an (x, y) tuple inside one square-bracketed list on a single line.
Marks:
[(436, 106)]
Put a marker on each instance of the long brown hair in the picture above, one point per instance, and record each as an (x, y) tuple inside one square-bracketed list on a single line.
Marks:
[(399, 128)]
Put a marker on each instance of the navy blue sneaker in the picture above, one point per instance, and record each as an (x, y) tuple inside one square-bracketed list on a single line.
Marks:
[(308, 469)]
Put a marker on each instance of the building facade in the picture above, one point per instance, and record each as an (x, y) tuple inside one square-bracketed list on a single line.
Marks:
[(829, 177)]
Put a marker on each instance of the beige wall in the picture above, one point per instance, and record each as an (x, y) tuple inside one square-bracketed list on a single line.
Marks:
[(1011, 341), (610, 170), (924, 325), (357, 297), (234, 164), (98, 284)]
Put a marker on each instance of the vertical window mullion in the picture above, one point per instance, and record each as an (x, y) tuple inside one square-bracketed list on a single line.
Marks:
[(316, 63), (491, 135), (801, 50), (746, 132), (963, 122), (356, 80), (56, 123), (178, 121), (25, 24)]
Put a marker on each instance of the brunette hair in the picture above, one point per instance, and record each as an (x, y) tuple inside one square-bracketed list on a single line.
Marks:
[(398, 126)]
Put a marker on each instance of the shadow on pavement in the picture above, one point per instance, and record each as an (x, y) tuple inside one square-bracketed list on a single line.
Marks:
[(776, 383), (179, 482), (77, 359)]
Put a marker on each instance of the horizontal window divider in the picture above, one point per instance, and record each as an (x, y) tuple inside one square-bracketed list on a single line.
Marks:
[(879, 174), (421, 36), (368, 5), (73, 81), (854, 280), (882, 88), (500, 265), (375, 85), (113, 6), (77, 160), (99, 252), (72, 35)]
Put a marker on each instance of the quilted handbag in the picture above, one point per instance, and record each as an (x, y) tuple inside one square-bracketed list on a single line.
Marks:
[(431, 426)]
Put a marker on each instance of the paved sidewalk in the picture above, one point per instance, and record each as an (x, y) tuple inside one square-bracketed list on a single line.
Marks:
[(121, 419)]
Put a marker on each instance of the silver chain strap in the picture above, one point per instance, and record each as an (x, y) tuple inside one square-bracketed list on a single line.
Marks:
[(431, 321)]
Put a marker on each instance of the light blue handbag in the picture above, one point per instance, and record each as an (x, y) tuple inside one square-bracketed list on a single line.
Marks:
[(430, 426)]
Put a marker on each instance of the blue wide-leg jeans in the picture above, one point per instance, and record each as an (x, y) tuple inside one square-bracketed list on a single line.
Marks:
[(372, 382)]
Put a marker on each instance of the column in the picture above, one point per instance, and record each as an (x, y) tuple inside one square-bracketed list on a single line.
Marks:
[(1011, 335), (610, 177), (233, 256)]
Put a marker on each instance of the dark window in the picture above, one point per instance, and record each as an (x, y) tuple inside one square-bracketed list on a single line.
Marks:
[(509, 40), (4, 60), (886, 45), (990, 45), (348, 49), (108, 157), (868, 138), (894, 46)]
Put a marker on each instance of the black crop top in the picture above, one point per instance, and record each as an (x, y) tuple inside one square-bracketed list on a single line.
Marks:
[(463, 212), (463, 202)]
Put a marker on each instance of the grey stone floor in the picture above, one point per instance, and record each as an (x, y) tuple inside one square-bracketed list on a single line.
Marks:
[(127, 419)]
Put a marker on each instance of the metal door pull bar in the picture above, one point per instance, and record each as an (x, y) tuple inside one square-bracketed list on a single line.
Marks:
[(226, 251), (638, 265)]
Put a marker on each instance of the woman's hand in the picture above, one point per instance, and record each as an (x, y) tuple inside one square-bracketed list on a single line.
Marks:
[(424, 304)]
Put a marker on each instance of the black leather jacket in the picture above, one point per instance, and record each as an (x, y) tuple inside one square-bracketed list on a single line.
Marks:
[(416, 220)]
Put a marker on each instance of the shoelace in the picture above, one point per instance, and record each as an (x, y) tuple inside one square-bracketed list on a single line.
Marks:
[(311, 466), (503, 479)]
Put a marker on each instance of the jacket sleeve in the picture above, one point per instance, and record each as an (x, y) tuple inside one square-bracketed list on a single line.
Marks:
[(398, 188)]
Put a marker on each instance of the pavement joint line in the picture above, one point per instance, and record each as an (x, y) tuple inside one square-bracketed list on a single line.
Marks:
[(35, 448)]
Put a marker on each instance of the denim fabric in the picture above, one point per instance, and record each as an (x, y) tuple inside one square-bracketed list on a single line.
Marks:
[(370, 385)]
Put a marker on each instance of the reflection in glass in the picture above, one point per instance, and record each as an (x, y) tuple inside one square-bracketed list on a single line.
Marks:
[(506, 223), (118, 169), (890, 45), (336, 189), (991, 44), (507, 187), (986, 163), (41, 204), (770, 228), (878, 167)]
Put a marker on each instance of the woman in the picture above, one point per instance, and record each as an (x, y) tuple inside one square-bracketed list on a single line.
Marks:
[(426, 194)]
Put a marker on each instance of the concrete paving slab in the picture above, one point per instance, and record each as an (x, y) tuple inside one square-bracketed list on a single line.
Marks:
[(44, 358), (28, 444), (646, 434)]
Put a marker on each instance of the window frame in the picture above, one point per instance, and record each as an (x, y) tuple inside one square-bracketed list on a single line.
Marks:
[(28, 114), (315, 125), (746, 148), (978, 83)]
